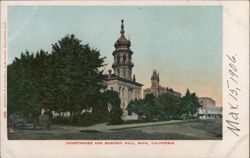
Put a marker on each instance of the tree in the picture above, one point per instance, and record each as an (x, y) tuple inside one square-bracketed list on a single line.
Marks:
[(138, 107), (44, 80), (68, 79), (100, 108), (190, 103), (22, 87), (77, 77), (144, 107), (169, 106), (113, 99), (150, 108)]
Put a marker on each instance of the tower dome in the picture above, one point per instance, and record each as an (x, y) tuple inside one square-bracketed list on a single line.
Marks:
[(123, 56), (122, 42), (155, 76)]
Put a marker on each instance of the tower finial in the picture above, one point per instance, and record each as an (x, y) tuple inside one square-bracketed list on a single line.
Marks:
[(122, 27)]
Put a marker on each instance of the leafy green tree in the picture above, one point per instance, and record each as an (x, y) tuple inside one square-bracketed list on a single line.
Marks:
[(138, 107), (144, 107), (22, 87), (77, 77), (169, 106), (150, 108), (113, 100), (44, 80), (190, 103), (100, 108), (67, 79)]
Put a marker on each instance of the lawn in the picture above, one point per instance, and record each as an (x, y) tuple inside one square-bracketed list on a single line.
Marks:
[(188, 130)]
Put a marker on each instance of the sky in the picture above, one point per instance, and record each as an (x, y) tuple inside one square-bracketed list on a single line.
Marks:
[(183, 43)]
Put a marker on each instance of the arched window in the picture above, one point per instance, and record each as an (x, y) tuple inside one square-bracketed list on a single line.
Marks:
[(118, 59), (124, 58), (118, 72), (122, 92), (124, 73)]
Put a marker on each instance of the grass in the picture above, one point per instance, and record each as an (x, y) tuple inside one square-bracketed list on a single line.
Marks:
[(182, 131)]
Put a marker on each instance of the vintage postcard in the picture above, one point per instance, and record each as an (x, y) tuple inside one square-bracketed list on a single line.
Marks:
[(124, 79)]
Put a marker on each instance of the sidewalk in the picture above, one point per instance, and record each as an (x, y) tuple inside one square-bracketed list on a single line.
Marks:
[(108, 128)]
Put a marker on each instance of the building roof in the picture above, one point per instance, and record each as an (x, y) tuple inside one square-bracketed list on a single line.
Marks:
[(122, 42), (207, 98), (115, 77)]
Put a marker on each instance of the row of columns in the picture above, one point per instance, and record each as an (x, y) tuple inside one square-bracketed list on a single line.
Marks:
[(128, 93), (123, 72), (122, 59)]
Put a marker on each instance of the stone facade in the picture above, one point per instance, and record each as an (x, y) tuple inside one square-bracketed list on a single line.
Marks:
[(156, 89), (121, 80), (208, 109)]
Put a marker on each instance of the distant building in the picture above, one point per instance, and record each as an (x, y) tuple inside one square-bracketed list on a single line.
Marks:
[(209, 109), (156, 89), (121, 80)]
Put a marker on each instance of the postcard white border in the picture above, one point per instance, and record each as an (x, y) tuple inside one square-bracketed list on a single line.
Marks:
[(235, 42)]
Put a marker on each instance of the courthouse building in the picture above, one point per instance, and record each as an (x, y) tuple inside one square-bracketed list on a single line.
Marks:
[(156, 89), (121, 79)]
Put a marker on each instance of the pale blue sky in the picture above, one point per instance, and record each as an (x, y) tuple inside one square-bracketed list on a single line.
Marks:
[(183, 43)]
